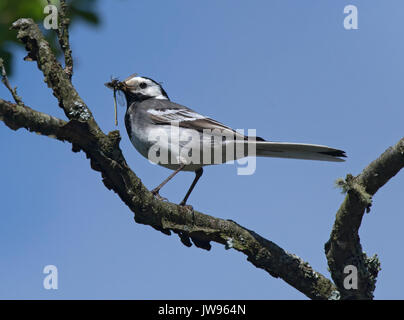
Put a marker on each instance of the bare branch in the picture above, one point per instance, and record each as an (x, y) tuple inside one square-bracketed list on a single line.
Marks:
[(344, 248), (106, 157), (55, 77), (63, 36), (16, 116), (4, 79), (194, 227)]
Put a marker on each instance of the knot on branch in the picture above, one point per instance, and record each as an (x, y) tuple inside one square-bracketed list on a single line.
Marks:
[(27, 35), (79, 111), (350, 185), (22, 24), (373, 267), (368, 269), (335, 295), (114, 138)]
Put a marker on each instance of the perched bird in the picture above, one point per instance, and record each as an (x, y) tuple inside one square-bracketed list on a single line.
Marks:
[(150, 113)]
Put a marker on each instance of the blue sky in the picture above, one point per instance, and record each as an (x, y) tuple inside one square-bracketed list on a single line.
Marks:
[(288, 69)]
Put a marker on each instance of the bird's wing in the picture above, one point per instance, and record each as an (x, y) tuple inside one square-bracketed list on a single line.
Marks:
[(169, 113)]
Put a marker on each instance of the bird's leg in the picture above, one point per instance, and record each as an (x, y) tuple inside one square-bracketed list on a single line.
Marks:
[(156, 190), (198, 174)]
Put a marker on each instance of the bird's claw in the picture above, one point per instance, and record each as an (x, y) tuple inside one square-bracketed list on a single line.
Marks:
[(190, 208), (158, 196)]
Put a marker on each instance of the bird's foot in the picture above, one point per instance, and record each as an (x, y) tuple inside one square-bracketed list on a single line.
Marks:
[(156, 194), (190, 208), (183, 204)]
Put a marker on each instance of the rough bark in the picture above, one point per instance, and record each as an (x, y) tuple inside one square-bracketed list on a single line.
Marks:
[(106, 157), (82, 131), (344, 247)]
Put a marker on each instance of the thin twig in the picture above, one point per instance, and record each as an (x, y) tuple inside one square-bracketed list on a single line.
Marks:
[(63, 36), (4, 79)]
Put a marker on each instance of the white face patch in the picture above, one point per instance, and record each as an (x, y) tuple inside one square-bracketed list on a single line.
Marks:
[(146, 87)]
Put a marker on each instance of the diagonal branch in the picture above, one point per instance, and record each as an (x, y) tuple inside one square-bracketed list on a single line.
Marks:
[(55, 76), (344, 248), (106, 157), (5, 81)]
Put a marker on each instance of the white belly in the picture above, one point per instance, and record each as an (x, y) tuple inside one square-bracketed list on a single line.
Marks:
[(160, 146)]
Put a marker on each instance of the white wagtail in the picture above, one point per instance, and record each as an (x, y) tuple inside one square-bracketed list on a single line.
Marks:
[(150, 112)]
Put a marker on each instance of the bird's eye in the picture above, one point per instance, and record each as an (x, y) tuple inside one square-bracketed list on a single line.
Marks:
[(143, 85)]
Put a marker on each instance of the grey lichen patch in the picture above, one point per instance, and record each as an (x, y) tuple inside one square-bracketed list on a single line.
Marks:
[(298, 259), (79, 111), (229, 243), (85, 115), (374, 266), (341, 183), (401, 149), (346, 184), (349, 184), (43, 45), (335, 295), (23, 22)]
